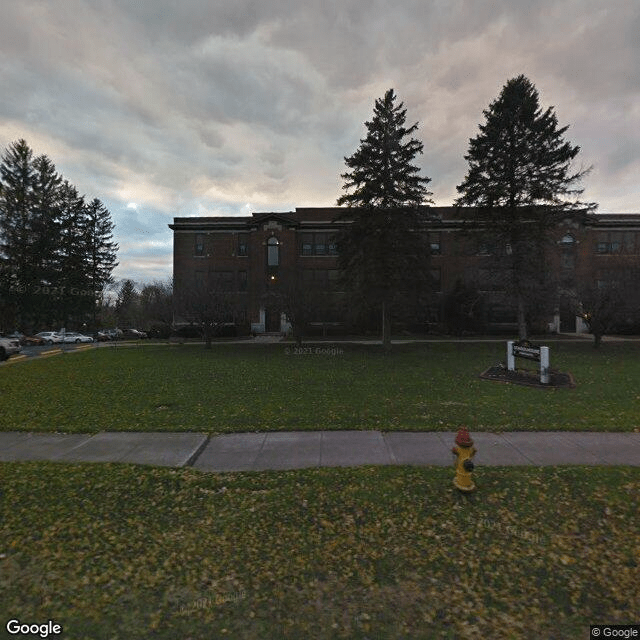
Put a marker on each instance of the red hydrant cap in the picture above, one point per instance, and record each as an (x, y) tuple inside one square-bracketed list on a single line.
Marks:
[(463, 439)]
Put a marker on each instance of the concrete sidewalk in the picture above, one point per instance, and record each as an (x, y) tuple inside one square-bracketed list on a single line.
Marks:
[(300, 449)]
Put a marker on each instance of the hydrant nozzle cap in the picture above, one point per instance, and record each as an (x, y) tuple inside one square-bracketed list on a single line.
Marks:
[(463, 439)]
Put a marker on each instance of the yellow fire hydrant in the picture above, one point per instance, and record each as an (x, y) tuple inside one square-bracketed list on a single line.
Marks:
[(464, 451)]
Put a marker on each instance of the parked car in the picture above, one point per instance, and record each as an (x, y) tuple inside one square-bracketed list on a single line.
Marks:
[(49, 337), (27, 341), (73, 336), (133, 333), (9, 346), (109, 334)]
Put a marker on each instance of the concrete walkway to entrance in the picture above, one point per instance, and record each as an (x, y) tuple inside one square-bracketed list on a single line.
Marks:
[(301, 449)]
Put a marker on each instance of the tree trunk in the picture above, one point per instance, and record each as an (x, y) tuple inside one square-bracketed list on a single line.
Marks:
[(522, 321), (386, 327)]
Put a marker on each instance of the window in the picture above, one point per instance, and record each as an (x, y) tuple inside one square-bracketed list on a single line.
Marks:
[(318, 278), (307, 244), (568, 257), (199, 248), (628, 241), (199, 281), (318, 244), (221, 280), (243, 244), (501, 313), (610, 242), (242, 280), (436, 279), (434, 243), (334, 278), (487, 248), (273, 252)]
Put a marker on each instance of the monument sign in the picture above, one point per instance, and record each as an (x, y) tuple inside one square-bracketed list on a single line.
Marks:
[(529, 352)]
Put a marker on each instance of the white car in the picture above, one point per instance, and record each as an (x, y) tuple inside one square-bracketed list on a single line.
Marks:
[(9, 346), (73, 336), (49, 337)]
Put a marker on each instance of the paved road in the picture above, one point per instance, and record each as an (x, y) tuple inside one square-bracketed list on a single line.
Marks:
[(291, 450)]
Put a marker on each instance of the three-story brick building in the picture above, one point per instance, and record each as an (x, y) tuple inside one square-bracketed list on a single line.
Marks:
[(245, 256)]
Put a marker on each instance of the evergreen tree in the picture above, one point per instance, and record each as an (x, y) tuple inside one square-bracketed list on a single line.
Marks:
[(100, 256), (521, 179), (55, 251), (383, 251), (127, 304), (43, 250), (76, 300), (18, 280)]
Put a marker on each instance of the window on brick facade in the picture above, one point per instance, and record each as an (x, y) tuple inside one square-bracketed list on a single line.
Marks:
[(221, 280), (318, 244), (436, 279), (487, 248), (307, 244), (242, 280), (609, 242), (318, 278), (200, 281), (243, 244), (434, 243), (199, 246), (629, 242), (273, 252)]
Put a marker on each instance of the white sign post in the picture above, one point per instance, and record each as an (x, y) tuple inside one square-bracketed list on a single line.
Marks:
[(539, 354), (544, 365)]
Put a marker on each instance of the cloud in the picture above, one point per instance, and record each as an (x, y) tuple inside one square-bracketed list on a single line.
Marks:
[(203, 106)]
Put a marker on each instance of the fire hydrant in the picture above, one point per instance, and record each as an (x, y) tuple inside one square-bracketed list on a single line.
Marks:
[(464, 451)]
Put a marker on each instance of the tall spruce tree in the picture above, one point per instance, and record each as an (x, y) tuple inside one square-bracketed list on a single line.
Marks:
[(383, 250), (55, 250), (521, 179), (43, 249), (100, 250), (76, 301), (18, 277)]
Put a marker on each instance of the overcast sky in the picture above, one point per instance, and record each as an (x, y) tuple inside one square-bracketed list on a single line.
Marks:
[(166, 108)]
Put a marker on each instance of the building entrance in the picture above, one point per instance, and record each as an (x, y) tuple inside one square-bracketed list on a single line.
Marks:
[(271, 320)]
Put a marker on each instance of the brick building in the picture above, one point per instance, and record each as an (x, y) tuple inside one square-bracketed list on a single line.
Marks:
[(244, 257)]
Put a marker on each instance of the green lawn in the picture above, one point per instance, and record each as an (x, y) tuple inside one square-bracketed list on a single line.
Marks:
[(118, 551), (261, 387)]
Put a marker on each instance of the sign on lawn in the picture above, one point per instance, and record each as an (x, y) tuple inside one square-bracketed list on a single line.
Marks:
[(529, 352)]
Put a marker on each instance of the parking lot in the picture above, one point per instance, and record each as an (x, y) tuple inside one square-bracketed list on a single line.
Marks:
[(29, 352)]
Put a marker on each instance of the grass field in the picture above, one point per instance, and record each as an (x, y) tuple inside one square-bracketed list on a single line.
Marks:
[(118, 551), (270, 387)]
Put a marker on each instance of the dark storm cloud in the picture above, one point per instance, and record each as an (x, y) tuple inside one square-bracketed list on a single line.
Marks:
[(205, 107)]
